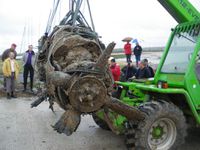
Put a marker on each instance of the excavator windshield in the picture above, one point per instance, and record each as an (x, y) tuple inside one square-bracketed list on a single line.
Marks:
[(181, 49)]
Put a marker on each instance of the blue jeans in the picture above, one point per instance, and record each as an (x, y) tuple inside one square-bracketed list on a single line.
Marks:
[(137, 58)]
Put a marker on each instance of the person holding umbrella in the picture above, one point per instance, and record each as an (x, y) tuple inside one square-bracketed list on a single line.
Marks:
[(128, 51), (137, 51), (127, 48)]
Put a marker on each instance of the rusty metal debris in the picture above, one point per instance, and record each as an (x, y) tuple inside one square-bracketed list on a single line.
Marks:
[(73, 65), (77, 77)]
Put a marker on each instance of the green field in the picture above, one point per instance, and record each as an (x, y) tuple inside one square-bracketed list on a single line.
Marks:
[(118, 55)]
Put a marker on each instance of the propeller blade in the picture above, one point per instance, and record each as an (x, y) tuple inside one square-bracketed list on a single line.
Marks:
[(131, 113), (68, 123)]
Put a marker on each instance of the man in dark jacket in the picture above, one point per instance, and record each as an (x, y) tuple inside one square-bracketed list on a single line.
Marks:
[(29, 61), (128, 71), (150, 68), (143, 71), (5, 55), (137, 52)]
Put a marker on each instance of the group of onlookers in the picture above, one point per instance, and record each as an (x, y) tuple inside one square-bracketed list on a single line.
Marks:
[(130, 71), (11, 69), (142, 68), (140, 71), (144, 71)]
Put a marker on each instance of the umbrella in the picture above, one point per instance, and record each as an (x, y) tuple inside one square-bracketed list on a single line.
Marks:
[(127, 39), (134, 41)]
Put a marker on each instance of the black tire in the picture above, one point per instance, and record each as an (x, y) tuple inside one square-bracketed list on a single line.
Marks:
[(163, 128), (101, 123)]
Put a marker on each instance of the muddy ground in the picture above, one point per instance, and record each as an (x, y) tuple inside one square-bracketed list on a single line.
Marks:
[(23, 128)]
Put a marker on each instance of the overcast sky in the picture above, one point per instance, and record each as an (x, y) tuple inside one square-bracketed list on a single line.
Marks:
[(24, 21)]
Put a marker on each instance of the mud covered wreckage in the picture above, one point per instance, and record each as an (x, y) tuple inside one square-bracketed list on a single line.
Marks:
[(75, 71), (152, 114)]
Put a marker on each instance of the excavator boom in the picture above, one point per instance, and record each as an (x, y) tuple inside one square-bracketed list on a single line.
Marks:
[(181, 10)]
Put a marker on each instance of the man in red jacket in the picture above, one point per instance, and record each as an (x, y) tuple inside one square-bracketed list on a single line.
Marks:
[(115, 69), (128, 51)]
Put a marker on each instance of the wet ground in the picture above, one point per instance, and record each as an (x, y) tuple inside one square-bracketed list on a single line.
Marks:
[(153, 58), (23, 128)]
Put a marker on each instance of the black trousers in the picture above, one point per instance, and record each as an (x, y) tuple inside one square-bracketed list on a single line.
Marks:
[(128, 58), (27, 69)]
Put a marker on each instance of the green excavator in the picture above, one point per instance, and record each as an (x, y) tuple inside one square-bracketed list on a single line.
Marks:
[(172, 98)]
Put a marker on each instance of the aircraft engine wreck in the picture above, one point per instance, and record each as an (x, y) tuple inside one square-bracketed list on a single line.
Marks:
[(73, 64)]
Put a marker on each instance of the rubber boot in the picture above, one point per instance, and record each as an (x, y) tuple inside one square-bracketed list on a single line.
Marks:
[(8, 96), (12, 95), (31, 87), (24, 88)]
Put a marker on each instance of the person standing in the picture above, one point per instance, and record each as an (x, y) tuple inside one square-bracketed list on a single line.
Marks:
[(128, 51), (5, 55), (29, 61), (10, 72), (137, 52)]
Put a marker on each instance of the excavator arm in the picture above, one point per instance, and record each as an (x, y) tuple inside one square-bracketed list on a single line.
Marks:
[(181, 10)]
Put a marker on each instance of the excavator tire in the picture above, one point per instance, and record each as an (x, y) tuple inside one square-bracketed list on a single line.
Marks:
[(164, 127), (101, 123)]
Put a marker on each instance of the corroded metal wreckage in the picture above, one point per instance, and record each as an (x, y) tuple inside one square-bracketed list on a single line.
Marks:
[(75, 71)]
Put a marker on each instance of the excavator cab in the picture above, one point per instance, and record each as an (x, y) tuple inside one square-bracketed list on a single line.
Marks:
[(180, 54)]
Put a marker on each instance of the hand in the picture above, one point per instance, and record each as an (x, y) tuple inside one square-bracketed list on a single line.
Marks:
[(131, 79)]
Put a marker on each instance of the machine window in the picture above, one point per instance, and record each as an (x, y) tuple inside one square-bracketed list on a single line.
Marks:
[(180, 53)]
